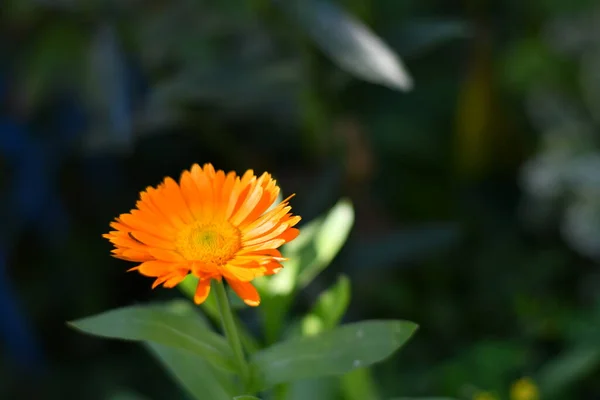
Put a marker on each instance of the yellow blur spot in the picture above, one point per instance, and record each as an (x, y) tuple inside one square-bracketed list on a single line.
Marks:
[(524, 389), (484, 396)]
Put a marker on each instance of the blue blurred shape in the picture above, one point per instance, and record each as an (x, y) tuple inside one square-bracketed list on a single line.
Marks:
[(12, 139)]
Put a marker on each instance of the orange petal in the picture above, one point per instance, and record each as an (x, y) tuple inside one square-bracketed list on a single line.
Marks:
[(268, 236), (151, 240), (191, 194), (270, 193), (246, 291), (290, 234), (202, 291), (251, 201), (272, 218), (137, 221), (155, 268), (271, 244), (175, 279), (244, 274), (165, 255), (224, 194), (173, 194), (204, 187), (132, 255), (273, 268), (239, 192)]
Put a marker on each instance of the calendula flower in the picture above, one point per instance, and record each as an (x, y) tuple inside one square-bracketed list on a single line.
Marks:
[(212, 225)]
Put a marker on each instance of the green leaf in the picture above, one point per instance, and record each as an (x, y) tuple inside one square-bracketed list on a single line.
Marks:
[(318, 243), (57, 54), (421, 35), (349, 43), (175, 324), (325, 239), (332, 304), (331, 353), (246, 397), (314, 249), (570, 367), (192, 373), (329, 308), (359, 385), (316, 388)]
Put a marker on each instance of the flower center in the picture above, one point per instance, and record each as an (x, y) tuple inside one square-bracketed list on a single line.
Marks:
[(209, 242)]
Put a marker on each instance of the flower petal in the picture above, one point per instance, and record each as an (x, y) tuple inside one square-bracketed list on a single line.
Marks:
[(155, 268), (245, 291), (244, 274), (202, 291)]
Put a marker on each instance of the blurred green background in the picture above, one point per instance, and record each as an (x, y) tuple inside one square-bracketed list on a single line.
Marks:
[(472, 161)]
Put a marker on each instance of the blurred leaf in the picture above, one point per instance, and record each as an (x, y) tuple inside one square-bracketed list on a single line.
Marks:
[(530, 62), (245, 398), (401, 246), (192, 372), (475, 114), (349, 43), (359, 385), (316, 388), (418, 36), (484, 364), (179, 327), (326, 238), (108, 93), (567, 369), (318, 243), (590, 82), (56, 56), (314, 249), (126, 395), (331, 353), (331, 304), (236, 87)]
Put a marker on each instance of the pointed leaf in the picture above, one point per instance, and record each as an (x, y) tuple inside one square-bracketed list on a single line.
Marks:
[(319, 242), (568, 368), (325, 239), (350, 43), (165, 324), (329, 308), (192, 373), (331, 353), (332, 304)]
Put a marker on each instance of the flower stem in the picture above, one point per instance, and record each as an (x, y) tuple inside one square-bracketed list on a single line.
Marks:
[(231, 331)]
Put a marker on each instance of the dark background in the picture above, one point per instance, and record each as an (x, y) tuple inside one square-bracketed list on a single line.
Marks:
[(477, 193)]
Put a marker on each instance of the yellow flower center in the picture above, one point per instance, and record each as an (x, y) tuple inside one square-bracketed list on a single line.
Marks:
[(209, 242)]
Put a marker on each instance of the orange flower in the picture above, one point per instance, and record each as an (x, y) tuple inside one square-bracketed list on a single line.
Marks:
[(213, 225)]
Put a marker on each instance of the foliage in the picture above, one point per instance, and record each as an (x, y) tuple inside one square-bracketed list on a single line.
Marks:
[(475, 191)]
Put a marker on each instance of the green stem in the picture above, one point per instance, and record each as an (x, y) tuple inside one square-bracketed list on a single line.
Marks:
[(231, 331)]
